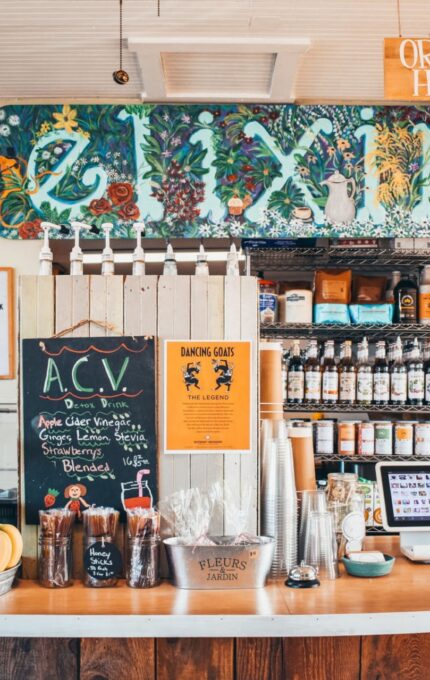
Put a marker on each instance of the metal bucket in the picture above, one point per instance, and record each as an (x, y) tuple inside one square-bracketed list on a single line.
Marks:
[(7, 578), (221, 566)]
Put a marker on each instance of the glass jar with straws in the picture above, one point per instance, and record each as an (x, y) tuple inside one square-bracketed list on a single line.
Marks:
[(143, 547), (55, 548)]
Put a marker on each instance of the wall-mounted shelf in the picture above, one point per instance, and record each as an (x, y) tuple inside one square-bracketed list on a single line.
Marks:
[(336, 331), (357, 408), (267, 258), (362, 460)]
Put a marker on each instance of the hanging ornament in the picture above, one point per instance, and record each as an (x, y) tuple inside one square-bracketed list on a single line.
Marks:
[(121, 77)]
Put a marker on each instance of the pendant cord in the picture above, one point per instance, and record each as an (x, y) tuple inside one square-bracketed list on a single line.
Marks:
[(158, 7), (120, 35), (399, 22)]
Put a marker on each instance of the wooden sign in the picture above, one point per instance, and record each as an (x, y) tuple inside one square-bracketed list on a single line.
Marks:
[(407, 69), (207, 397), (7, 323), (89, 423)]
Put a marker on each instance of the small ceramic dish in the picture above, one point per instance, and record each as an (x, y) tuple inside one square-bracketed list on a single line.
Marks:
[(369, 569)]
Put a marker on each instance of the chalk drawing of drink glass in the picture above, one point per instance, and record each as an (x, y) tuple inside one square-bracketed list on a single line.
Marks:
[(137, 494)]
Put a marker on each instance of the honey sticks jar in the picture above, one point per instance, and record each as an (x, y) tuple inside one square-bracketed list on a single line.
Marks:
[(102, 559), (143, 548), (55, 548)]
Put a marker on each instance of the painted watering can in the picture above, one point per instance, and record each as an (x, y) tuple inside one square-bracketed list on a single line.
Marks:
[(340, 206)]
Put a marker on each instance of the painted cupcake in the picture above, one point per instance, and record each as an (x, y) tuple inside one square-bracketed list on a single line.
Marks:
[(235, 206)]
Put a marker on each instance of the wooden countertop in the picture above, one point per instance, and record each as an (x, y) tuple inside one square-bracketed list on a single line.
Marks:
[(399, 603)]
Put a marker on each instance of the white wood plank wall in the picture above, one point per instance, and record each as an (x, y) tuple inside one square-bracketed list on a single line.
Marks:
[(169, 307)]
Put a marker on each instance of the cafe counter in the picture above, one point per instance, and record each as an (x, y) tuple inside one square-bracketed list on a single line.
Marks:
[(347, 623)]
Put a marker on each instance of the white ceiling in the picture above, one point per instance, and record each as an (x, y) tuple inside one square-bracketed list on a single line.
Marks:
[(67, 49)]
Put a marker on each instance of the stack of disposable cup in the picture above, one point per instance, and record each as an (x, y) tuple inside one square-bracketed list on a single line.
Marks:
[(308, 501), (321, 546), (279, 498), (271, 401)]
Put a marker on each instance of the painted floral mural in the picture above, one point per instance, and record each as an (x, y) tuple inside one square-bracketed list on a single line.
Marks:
[(217, 170)]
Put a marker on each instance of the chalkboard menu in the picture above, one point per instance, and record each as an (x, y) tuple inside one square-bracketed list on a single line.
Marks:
[(89, 423)]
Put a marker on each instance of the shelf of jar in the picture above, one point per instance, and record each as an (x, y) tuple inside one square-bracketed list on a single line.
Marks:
[(277, 259), (334, 331), (364, 460), (357, 408)]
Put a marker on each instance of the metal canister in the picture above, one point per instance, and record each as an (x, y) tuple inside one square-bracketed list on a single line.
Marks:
[(365, 439), (403, 438), (346, 437), (422, 439), (324, 436), (383, 438)]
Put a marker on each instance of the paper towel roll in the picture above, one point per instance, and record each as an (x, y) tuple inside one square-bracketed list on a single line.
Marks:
[(303, 455)]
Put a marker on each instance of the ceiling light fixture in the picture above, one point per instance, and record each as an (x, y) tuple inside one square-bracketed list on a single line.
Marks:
[(121, 77)]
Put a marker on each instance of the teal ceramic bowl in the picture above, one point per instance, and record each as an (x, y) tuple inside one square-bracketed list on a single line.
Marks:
[(369, 569)]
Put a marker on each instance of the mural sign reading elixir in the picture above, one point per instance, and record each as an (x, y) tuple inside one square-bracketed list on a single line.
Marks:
[(217, 170)]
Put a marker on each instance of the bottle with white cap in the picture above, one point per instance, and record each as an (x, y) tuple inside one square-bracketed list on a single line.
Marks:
[(202, 268), (170, 267), (45, 256), (108, 265), (76, 254), (138, 254), (232, 261)]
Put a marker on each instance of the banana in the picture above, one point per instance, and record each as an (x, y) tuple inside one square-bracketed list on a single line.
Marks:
[(5, 550), (17, 544)]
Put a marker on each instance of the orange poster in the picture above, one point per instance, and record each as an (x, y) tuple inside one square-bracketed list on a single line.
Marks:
[(207, 396)]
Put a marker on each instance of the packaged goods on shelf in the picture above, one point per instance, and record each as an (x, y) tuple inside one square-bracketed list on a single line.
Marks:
[(331, 313), (333, 286), (366, 488), (377, 512), (369, 289), (371, 313)]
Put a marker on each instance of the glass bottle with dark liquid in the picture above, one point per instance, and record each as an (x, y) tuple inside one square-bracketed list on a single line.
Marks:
[(296, 376), (347, 375), (381, 376), (330, 376), (416, 376), (399, 377), (312, 375)]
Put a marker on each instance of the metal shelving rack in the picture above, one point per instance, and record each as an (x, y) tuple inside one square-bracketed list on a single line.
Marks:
[(335, 331), (357, 408), (278, 256), (325, 256)]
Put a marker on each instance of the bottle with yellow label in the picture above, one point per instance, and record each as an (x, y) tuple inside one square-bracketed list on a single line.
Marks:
[(424, 296)]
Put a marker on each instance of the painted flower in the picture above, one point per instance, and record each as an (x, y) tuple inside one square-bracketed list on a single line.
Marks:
[(343, 144), (129, 211), (311, 158), (58, 150), (14, 120), (185, 118), (4, 130), (164, 135), (348, 155), (205, 230), (2, 114), (46, 155), (30, 230), (413, 167), (100, 206), (66, 120), (304, 172), (120, 193), (331, 150), (44, 128)]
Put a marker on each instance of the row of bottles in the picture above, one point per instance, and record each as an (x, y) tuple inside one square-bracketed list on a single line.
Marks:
[(108, 264), (384, 381)]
